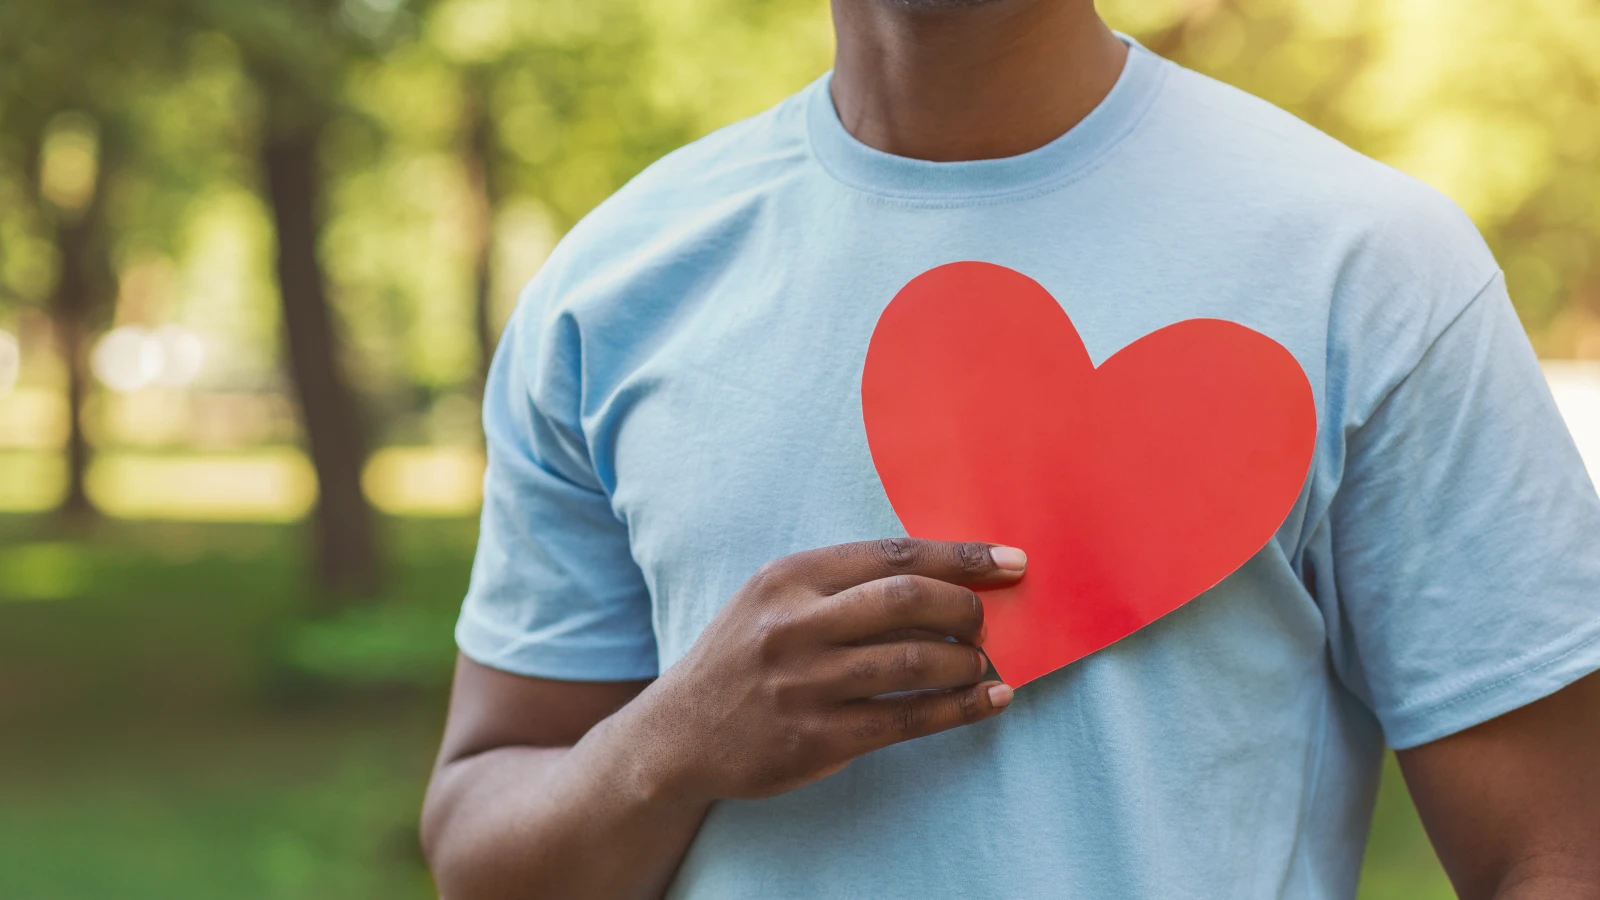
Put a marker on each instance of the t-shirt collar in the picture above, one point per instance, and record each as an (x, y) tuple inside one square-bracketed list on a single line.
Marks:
[(864, 168)]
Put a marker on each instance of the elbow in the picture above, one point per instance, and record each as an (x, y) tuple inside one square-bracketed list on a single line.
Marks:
[(1568, 872), (433, 836), (461, 848)]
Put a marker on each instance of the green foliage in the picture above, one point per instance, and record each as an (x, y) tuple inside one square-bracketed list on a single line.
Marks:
[(1496, 104)]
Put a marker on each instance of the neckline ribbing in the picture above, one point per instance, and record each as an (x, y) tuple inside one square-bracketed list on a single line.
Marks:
[(866, 169)]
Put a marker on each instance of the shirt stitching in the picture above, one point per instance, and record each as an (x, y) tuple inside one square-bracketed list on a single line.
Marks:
[(1431, 702)]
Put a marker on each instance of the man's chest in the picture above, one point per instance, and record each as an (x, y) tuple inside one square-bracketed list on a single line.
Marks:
[(741, 439)]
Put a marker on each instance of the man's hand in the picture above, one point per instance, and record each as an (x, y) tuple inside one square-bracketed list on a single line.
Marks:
[(549, 789), (790, 681)]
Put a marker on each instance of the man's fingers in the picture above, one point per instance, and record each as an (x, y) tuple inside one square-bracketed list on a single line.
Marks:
[(882, 721), (897, 604), (903, 634), (843, 566), (906, 666)]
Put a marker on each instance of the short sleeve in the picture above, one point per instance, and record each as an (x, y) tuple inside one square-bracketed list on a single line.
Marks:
[(1466, 538), (555, 592)]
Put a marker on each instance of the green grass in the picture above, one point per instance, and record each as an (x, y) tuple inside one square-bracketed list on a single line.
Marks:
[(257, 808), (177, 721)]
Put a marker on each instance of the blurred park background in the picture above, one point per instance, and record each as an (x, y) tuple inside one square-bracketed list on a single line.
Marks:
[(254, 254)]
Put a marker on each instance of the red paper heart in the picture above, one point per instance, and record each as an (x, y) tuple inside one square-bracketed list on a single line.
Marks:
[(1133, 487)]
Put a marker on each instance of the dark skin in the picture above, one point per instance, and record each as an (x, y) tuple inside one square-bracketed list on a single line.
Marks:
[(1513, 806), (556, 789), (565, 789)]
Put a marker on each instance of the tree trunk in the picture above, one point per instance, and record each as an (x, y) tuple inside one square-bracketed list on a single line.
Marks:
[(478, 156), (346, 544), (85, 285), (79, 246)]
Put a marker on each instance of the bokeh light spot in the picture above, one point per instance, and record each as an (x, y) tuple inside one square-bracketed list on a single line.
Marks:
[(10, 362)]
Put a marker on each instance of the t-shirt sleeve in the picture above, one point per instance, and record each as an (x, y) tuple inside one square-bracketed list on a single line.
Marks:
[(555, 592), (1466, 537)]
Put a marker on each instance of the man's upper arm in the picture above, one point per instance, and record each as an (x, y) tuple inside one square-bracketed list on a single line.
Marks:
[(1466, 590), (1514, 804), (491, 709), (555, 592)]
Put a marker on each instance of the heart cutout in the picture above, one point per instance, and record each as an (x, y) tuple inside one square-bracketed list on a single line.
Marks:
[(1133, 487)]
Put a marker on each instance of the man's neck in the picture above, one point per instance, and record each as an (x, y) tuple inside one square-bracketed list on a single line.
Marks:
[(945, 81)]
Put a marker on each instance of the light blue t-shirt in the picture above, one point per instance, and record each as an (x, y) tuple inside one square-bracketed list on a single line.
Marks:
[(677, 401)]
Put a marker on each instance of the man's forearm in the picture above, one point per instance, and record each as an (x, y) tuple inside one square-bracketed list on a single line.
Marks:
[(592, 820)]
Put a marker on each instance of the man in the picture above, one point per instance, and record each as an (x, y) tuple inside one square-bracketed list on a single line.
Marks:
[(701, 659)]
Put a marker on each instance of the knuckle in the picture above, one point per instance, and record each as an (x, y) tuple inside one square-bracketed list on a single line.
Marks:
[(772, 632), (913, 659), (865, 668), (797, 737), (974, 610), (900, 594), (785, 693), (906, 715), (973, 558), (791, 742), (967, 705), (806, 741), (897, 553), (868, 729), (772, 574)]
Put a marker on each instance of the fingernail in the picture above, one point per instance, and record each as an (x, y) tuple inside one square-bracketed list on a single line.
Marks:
[(1009, 558), (983, 664), (1000, 695), (983, 634)]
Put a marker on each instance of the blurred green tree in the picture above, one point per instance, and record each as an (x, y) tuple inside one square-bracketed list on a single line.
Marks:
[(574, 67), (298, 53), (1496, 104), (564, 101), (68, 71)]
